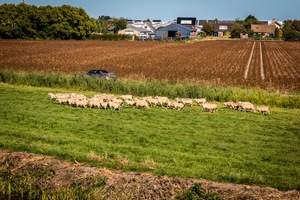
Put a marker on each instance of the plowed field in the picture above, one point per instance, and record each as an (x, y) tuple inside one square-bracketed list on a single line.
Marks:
[(237, 63)]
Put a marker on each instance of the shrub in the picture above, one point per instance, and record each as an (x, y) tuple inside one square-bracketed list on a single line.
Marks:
[(151, 88)]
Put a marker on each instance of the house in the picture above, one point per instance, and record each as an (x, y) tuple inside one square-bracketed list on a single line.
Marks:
[(264, 30), (175, 31), (278, 24), (156, 22), (222, 29), (137, 32), (187, 21), (146, 25), (244, 34)]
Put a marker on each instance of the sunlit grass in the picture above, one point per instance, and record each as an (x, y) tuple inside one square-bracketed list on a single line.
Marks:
[(226, 146)]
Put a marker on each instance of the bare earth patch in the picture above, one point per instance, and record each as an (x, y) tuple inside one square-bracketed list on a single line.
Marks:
[(126, 184)]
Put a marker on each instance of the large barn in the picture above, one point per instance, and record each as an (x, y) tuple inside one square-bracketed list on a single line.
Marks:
[(175, 31)]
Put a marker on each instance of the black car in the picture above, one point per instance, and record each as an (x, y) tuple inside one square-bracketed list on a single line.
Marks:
[(98, 73)]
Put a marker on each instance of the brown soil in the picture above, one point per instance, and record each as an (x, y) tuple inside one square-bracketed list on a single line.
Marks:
[(127, 184), (213, 62)]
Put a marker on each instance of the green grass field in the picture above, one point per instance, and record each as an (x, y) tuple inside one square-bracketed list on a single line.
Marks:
[(226, 146)]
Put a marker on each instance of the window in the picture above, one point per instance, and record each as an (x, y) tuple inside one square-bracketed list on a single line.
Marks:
[(223, 27)]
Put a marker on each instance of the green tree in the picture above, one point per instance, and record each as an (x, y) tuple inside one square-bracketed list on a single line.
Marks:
[(26, 21), (249, 20), (208, 28), (119, 24), (236, 29), (148, 20)]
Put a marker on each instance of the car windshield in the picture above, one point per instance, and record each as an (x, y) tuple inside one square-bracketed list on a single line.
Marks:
[(102, 71)]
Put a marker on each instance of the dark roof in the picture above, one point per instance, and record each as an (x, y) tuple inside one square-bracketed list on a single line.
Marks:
[(219, 26), (192, 21), (156, 20), (201, 22)]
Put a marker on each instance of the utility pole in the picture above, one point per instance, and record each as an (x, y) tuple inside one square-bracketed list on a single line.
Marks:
[(23, 1)]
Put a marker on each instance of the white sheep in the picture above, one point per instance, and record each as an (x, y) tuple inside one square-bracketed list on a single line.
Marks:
[(263, 109), (82, 103), (146, 98), (187, 101), (141, 103), (104, 104), (200, 101), (62, 100), (130, 103), (210, 107), (114, 106), (178, 106), (152, 102), (246, 106), (227, 104), (52, 96), (126, 97)]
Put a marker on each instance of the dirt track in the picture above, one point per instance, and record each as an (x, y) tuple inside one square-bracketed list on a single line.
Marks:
[(125, 184)]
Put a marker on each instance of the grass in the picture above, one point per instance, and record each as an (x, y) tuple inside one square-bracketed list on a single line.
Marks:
[(226, 146), (171, 89)]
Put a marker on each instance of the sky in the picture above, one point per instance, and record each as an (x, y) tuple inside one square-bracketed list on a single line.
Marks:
[(168, 10)]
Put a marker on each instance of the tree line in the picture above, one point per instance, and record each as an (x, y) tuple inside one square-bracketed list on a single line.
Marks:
[(65, 22)]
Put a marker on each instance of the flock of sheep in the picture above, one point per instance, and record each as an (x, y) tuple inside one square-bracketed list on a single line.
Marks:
[(111, 101)]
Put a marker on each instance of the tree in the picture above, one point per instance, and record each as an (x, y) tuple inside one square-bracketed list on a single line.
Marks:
[(208, 28), (148, 20), (62, 22), (119, 24), (249, 20), (236, 30)]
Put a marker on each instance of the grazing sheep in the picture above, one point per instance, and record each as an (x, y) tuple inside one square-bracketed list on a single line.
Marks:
[(52, 96), (71, 101), (141, 103), (109, 97), (130, 103), (235, 106), (210, 107), (186, 101), (200, 101), (162, 98), (95, 103), (104, 104), (62, 100), (118, 101), (246, 106), (61, 96), (82, 103), (152, 102), (178, 106), (146, 98), (81, 97), (169, 104), (126, 97), (227, 104), (114, 106), (263, 109)]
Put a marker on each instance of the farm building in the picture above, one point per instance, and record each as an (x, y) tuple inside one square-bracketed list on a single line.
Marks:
[(244, 34), (264, 30), (175, 31)]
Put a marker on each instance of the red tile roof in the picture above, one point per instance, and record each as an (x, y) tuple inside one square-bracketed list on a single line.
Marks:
[(263, 28)]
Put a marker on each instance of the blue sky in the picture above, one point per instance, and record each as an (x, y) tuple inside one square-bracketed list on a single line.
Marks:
[(167, 10)]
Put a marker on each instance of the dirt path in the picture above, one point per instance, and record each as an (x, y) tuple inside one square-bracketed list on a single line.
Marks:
[(249, 61), (128, 184)]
